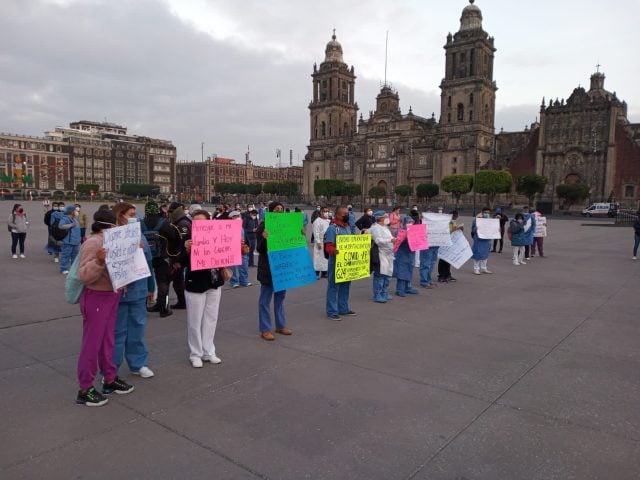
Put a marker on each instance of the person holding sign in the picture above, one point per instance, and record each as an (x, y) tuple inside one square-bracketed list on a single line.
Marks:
[(266, 286), (382, 263), (444, 267), (203, 291), (518, 238), (529, 230), (481, 246), (132, 309), (403, 264), (539, 234), (99, 308), (337, 293)]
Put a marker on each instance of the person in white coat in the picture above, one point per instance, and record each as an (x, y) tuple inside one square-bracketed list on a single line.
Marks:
[(320, 225), (381, 257)]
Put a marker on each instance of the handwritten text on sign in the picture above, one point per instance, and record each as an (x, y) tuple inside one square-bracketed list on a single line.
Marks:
[(437, 228), (458, 252), (285, 230), (417, 237), (291, 268), (216, 243), (488, 228), (122, 245), (353, 259)]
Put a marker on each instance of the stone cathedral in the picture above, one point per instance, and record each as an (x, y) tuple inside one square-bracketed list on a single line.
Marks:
[(588, 139)]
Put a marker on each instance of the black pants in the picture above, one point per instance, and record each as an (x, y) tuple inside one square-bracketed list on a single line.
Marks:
[(501, 241), (177, 276), (15, 239), (527, 251), (444, 270), (251, 241), (162, 271)]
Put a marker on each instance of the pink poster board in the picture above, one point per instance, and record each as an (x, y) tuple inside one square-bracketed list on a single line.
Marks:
[(417, 236), (216, 244)]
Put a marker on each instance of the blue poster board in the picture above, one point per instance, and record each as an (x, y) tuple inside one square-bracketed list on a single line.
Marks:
[(291, 268)]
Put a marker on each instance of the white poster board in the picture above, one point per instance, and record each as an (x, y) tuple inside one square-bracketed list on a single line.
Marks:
[(438, 233), (541, 227), (458, 253), (488, 228), (124, 259)]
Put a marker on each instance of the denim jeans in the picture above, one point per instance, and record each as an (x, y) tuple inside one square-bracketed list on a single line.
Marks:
[(129, 334), (264, 308), (428, 259), (380, 287), (337, 293), (17, 238), (68, 255), (241, 272), (252, 242)]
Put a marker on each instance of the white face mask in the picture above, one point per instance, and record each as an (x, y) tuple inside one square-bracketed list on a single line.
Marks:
[(369, 212), (387, 221), (132, 220), (326, 215)]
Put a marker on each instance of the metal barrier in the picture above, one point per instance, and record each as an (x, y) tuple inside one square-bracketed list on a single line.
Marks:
[(626, 217)]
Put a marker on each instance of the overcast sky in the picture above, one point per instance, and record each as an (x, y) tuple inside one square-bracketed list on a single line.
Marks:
[(232, 73)]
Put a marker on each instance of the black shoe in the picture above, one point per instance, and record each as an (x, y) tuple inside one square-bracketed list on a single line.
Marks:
[(335, 317), (166, 313), (451, 279), (154, 308), (179, 306), (91, 398), (350, 313), (117, 386)]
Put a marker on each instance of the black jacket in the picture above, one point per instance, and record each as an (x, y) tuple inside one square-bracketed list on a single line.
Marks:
[(365, 222), (248, 224), (264, 269), (199, 281), (167, 231)]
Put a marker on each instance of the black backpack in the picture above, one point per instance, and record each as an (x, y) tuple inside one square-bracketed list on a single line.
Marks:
[(58, 233), (157, 243)]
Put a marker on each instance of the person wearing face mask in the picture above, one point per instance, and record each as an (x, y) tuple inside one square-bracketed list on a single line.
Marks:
[(55, 217), (381, 257), (240, 276), (71, 243), (18, 225), (518, 238), (481, 247), (352, 219), (82, 219), (404, 260), (320, 225), (266, 287), (365, 221), (250, 225), (444, 267), (337, 293), (316, 213), (132, 308), (395, 220)]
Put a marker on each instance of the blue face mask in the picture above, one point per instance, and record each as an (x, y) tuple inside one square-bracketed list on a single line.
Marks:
[(486, 215), (132, 220)]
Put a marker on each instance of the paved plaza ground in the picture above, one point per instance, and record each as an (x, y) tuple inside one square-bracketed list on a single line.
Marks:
[(530, 373)]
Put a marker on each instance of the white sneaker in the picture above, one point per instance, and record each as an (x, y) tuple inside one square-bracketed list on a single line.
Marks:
[(522, 262), (144, 372), (14, 256), (486, 271), (56, 260), (213, 359), (517, 264), (196, 362), (65, 272), (477, 272), (634, 258), (22, 255)]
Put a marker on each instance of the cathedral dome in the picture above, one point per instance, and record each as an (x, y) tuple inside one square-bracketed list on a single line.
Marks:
[(333, 52), (471, 18)]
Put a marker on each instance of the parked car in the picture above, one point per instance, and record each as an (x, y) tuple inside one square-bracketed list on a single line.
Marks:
[(601, 210)]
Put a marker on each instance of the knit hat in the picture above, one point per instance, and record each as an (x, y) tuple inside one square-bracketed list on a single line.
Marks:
[(69, 209), (151, 208), (379, 214), (174, 206), (273, 205)]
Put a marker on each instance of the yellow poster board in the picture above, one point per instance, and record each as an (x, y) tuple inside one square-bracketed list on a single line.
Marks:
[(353, 258)]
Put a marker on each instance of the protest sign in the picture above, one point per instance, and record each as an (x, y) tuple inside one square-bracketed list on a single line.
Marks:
[(285, 231), (417, 237), (353, 258), (291, 268), (541, 227), (215, 244), (122, 245), (488, 228), (458, 252), (437, 228)]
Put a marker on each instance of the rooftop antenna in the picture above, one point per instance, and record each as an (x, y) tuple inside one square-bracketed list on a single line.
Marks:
[(598, 67), (386, 48)]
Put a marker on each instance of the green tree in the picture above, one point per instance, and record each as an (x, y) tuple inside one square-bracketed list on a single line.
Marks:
[(427, 190), (457, 185), (254, 188), (351, 190), (328, 188), (377, 192), (141, 189), (404, 191), (27, 180), (572, 193), (223, 188), (87, 188), (492, 182), (530, 185)]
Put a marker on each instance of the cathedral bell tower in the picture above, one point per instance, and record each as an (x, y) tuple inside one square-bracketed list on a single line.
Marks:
[(468, 95), (333, 114)]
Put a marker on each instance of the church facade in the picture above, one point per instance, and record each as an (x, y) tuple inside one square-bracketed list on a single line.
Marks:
[(587, 139)]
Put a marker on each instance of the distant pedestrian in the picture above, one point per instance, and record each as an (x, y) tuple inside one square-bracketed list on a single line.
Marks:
[(395, 220), (179, 220), (503, 218), (250, 224), (320, 226), (18, 225), (71, 242), (539, 234), (381, 257), (82, 220), (99, 308), (54, 219), (404, 260), (518, 239), (240, 276), (481, 247), (636, 242), (529, 229), (365, 222), (45, 205), (444, 267)]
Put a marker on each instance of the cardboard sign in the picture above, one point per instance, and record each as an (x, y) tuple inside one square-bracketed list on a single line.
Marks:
[(215, 244), (488, 228), (123, 246), (417, 237), (458, 252), (291, 268), (285, 231), (353, 259), (541, 227), (438, 232)]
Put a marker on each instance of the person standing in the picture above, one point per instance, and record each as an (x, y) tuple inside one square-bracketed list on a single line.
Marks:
[(365, 222), (82, 220), (18, 224), (636, 241), (99, 308), (444, 267), (203, 291), (381, 256), (481, 247), (54, 219), (266, 286), (395, 220), (45, 205), (250, 225), (337, 293), (529, 229), (404, 260), (428, 258), (132, 308), (539, 234), (502, 217), (71, 242), (518, 239), (240, 272), (180, 220), (320, 225)]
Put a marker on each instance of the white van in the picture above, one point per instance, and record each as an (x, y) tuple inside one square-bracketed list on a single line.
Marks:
[(601, 210)]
